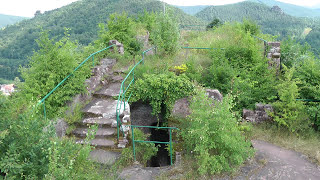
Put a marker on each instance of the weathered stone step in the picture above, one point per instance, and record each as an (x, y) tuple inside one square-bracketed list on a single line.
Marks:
[(104, 157), (101, 132), (100, 142), (100, 121), (117, 78), (108, 91), (101, 108), (104, 108)]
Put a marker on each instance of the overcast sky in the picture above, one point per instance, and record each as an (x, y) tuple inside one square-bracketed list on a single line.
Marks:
[(27, 8)]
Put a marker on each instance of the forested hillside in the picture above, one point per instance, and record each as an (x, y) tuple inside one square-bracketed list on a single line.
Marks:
[(271, 21), (291, 9), (81, 18), (8, 20)]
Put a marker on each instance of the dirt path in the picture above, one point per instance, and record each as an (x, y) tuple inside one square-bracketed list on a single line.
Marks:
[(279, 163), (271, 162)]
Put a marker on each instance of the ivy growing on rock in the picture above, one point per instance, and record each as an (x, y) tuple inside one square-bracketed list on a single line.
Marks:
[(162, 90)]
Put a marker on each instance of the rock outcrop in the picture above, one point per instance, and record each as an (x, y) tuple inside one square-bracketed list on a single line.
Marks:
[(181, 107), (259, 115)]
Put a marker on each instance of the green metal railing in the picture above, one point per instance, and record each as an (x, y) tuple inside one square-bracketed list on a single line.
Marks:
[(122, 94), (202, 48), (42, 101), (158, 142), (197, 27), (308, 100), (265, 41)]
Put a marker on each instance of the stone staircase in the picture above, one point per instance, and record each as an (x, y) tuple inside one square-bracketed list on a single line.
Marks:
[(103, 87)]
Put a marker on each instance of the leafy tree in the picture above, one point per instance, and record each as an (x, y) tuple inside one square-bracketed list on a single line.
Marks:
[(215, 23), (165, 34)]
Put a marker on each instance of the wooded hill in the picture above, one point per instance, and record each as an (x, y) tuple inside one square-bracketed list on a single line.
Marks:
[(81, 18), (272, 21), (290, 9), (8, 20)]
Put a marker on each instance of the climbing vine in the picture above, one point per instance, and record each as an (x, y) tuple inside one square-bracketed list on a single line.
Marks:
[(162, 90)]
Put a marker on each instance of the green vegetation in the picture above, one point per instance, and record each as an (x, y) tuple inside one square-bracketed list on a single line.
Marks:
[(212, 136), (162, 90), (271, 21), (144, 151), (82, 18)]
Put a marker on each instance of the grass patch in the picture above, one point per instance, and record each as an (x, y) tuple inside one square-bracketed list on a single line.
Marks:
[(309, 144)]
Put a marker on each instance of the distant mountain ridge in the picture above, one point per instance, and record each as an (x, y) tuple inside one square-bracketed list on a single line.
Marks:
[(272, 20), (192, 10), (290, 9), (9, 20)]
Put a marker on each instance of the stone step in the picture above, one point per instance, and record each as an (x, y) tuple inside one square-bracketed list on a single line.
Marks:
[(109, 91), (117, 78), (101, 132), (100, 142), (276, 55), (101, 108), (100, 121), (104, 157)]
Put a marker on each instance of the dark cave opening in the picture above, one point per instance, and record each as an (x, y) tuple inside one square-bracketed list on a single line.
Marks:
[(163, 157)]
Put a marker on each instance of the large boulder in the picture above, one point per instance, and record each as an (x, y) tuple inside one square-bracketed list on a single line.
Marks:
[(214, 94), (181, 107), (260, 114)]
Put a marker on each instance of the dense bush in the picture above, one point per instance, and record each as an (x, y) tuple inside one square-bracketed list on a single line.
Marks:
[(211, 133), (240, 68), (28, 148), (68, 160), (48, 67)]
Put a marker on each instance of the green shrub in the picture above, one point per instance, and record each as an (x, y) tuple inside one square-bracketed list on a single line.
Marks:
[(120, 27), (161, 90), (165, 34), (289, 112), (68, 160), (48, 67), (211, 133), (24, 150), (144, 151)]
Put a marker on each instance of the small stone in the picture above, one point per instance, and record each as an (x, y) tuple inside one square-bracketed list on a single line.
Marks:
[(126, 119)]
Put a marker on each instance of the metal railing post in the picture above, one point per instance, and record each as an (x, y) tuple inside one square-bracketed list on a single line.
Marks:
[(44, 110), (170, 133), (133, 145)]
